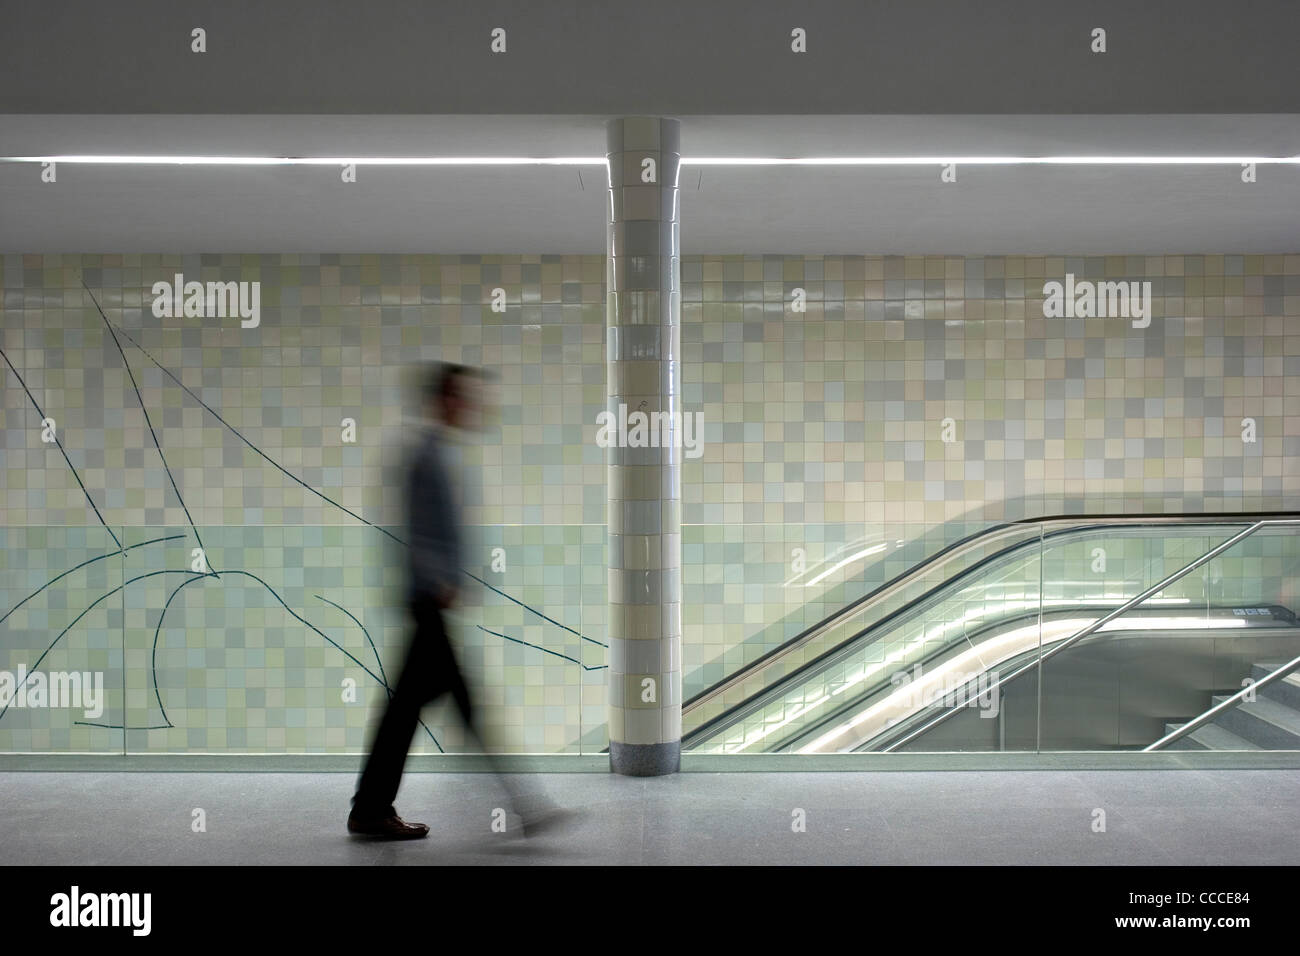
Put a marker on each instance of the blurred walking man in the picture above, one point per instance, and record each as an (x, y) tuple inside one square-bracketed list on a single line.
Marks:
[(452, 398)]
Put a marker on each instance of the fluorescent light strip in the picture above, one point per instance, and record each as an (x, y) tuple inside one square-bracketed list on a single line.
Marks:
[(313, 160), (991, 160), (686, 161)]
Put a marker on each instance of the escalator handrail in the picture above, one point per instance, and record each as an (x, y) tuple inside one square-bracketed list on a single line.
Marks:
[(1102, 622), (1205, 718), (827, 656), (879, 593), (837, 617), (850, 705)]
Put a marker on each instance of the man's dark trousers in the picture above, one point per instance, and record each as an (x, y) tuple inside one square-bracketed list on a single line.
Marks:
[(429, 672)]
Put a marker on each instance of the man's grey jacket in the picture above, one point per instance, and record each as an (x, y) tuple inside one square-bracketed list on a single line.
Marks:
[(433, 516)]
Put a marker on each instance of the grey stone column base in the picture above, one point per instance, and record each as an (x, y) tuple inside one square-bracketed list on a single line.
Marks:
[(645, 760)]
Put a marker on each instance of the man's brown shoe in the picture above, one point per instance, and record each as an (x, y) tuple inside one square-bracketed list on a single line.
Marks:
[(391, 827)]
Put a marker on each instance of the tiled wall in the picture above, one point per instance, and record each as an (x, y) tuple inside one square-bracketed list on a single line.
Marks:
[(822, 439)]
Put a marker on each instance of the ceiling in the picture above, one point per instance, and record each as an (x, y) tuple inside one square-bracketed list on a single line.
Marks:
[(666, 58), (1081, 210)]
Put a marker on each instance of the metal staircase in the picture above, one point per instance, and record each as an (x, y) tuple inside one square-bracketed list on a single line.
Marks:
[(1270, 722)]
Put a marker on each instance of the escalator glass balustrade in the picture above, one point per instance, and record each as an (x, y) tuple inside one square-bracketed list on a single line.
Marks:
[(1064, 634)]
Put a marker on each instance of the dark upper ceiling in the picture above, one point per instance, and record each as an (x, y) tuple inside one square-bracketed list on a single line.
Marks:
[(886, 77), (672, 57)]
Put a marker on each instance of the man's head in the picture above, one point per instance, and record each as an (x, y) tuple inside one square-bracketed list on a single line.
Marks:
[(453, 395)]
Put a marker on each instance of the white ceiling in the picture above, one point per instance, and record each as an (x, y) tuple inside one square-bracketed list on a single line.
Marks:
[(725, 210)]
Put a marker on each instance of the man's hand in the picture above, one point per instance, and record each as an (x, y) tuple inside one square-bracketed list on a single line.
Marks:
[(446, 596)]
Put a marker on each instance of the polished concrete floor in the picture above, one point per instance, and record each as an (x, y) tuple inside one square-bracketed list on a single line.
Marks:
[(1199, 817)]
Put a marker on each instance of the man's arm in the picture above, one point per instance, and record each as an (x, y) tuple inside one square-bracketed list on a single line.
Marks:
[(435, 533)]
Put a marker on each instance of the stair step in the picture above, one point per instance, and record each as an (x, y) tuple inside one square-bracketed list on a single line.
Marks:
[(1271, 725), (1285, 691), (1209, 737)]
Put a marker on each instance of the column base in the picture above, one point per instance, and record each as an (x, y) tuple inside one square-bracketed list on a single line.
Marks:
[(645, 760)]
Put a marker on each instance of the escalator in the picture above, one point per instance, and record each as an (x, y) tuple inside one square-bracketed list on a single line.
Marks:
[(1057, 633)]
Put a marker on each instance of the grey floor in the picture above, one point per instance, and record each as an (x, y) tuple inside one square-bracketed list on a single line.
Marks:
[(1004, 817)]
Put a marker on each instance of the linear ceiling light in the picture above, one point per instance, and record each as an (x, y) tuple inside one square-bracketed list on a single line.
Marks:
[(313, 160), (125, 160), (990, 160)]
